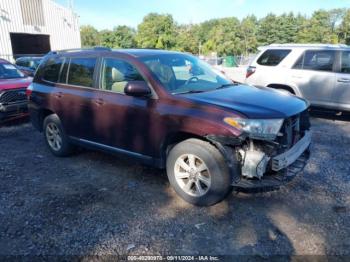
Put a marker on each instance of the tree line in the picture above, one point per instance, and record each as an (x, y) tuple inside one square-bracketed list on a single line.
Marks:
[(225, 36)]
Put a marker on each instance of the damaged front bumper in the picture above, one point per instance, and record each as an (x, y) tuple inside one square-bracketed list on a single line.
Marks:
[(283, 168), (273, 180), (287, 158), (265, 173)]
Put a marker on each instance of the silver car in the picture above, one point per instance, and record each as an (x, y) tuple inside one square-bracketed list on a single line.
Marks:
[(318, 73)]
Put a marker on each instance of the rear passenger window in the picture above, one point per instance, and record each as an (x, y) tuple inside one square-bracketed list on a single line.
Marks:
[(273, 57), (81, 71), (51, 69), (345, 62), (117, 73), (319, 60)]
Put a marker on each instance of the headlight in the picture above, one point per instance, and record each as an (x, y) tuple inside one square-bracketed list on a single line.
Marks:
[(266, 129)]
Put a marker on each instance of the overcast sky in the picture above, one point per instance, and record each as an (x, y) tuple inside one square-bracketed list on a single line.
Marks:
[(109, 13)]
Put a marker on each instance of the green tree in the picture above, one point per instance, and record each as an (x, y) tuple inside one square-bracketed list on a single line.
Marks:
[(344, 28), (107, 38), (119, 37), (248, 31), (187, 39), (268, 29), (318, 29), (157, 31), (89, 36), (222, 37)]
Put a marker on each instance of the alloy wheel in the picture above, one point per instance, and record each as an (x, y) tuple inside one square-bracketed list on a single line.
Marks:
[(192, 175), (53, 136)]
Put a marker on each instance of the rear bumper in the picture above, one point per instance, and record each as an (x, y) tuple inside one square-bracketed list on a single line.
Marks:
[(13, 109)]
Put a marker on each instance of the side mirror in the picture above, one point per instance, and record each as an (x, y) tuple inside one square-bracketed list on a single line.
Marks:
[(137, 88)]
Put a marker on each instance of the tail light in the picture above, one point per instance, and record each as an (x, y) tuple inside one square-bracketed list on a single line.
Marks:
[(250, 70), (29, 91)]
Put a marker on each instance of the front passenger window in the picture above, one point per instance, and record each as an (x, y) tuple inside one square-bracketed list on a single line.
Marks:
[(117, 73)]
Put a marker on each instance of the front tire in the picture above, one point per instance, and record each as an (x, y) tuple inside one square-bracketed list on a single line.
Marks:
[(55, 136), (198, 172)]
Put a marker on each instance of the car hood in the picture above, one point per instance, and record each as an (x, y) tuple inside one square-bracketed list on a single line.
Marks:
[(253, 102), (6, 84)]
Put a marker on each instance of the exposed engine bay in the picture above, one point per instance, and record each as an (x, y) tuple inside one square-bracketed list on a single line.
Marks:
[(258, 157)]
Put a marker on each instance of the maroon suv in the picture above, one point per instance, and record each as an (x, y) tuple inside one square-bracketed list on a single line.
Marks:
[(173, 111)]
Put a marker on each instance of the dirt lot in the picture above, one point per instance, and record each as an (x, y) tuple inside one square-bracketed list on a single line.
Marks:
[(93, 203)]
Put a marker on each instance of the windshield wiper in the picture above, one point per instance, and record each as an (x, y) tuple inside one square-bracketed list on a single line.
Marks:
[(189, 92), (225, 86)]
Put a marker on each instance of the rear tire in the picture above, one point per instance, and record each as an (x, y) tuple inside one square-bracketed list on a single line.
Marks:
[(198, 172), (55, 136)]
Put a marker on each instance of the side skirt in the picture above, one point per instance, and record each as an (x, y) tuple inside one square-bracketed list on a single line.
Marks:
[(148, 160)]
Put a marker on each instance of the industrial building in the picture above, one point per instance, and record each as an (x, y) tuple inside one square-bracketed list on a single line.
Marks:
[(34, 27)]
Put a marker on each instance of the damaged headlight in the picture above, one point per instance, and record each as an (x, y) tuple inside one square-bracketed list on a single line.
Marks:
[(265, 129)]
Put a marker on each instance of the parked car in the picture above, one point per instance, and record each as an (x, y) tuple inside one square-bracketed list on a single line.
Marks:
[(13, 84), (28, 65), (318, 73), (171, 110)]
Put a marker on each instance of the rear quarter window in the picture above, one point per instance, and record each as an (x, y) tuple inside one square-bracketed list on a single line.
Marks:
[(81, 71), (273, 57), (51, 69)]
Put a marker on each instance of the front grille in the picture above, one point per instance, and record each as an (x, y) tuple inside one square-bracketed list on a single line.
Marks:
[(13, 96), (293, 129)]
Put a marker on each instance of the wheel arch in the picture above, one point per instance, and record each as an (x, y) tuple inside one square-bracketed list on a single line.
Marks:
[(289, 88), (43, 113), (174, 138)]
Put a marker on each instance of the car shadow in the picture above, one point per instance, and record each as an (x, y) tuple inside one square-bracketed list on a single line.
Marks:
[(330, 114)]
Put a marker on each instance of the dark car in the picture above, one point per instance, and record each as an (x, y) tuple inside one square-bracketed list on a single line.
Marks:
[(13, 84), (173, 111), (28, 65)]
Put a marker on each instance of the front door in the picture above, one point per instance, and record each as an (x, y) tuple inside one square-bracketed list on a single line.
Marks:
[(122, 121)]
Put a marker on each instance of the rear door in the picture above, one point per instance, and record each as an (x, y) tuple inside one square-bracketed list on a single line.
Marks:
[(75, 95), (341, 94), (314, 75)]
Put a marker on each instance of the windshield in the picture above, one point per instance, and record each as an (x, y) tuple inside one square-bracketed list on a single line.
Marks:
[(182, 73), (9, 71)]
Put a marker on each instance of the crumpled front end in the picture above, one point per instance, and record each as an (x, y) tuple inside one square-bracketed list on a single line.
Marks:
[(268, 164)]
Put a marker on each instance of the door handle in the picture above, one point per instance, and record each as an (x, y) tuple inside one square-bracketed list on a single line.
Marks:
[(99, 101), (344, 80), (58, 94)]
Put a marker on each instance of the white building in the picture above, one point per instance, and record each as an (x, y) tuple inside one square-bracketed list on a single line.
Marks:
[(36, 27)]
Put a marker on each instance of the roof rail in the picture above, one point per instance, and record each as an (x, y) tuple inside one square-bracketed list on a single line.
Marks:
[(310, 45), (96, 48)]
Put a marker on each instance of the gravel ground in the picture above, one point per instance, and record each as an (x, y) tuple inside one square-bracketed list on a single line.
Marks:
[(96, 204)]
